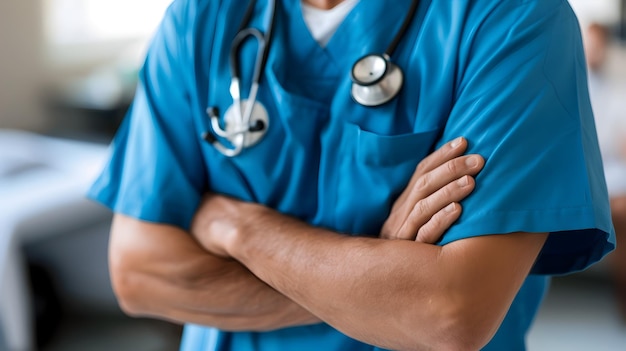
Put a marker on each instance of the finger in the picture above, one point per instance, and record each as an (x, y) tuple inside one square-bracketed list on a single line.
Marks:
[(447, 152), (423, 184), (426, 208), (433, 181), (431, 232), (448, 172)]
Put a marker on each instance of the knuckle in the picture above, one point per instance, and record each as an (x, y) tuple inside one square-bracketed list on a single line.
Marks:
[(437, 220), (452, 166), (449, 191), (421, 167), (421, 184), (421, 207)]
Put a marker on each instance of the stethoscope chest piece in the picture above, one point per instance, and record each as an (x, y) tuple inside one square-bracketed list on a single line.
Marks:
[(375, 80), (254, 131), (243, 127)]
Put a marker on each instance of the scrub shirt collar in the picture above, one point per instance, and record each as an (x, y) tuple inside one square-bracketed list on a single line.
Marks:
[(362, 32)]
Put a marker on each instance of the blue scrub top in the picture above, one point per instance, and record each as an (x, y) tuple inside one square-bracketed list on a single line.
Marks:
[(509, 75)]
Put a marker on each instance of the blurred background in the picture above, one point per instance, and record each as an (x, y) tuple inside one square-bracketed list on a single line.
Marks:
[(68, 69)]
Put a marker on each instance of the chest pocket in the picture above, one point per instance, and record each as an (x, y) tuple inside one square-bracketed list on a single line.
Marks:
[(390, 150), (373, 170)]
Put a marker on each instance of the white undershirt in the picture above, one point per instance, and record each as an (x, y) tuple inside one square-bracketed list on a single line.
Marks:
[(324, 23)]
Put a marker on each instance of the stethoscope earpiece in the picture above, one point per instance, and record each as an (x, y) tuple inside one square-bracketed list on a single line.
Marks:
[(375, 80)]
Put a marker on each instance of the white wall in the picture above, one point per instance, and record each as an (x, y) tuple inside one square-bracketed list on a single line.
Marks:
[(20, 53)]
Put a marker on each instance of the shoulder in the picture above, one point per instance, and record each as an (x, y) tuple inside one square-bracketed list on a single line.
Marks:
[(486, 6), (517, 11), (188, 13), (501, 18), (532, 25), (186, 23)]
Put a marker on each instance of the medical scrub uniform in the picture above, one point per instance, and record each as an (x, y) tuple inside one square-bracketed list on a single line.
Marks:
[(508, 75)]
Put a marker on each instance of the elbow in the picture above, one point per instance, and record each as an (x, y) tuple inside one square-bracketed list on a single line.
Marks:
[(461, 336), (127, 297), (453, 326), (461, 328), (127, 288)]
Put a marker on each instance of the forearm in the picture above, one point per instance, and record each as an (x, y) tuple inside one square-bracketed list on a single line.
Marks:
[(397, 294), (436, 181), (351, 283), (173, 278)]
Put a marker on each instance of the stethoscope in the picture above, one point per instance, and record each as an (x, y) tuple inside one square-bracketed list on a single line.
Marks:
[(375, 81)]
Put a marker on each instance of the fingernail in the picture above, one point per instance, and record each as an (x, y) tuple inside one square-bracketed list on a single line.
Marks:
[(449, 208), (456, 142), (463, 181), (471, 161)]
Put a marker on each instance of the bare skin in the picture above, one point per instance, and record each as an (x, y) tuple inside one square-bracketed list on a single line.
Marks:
[(396, 294), (324, 4), (430, 191), (161, 271)]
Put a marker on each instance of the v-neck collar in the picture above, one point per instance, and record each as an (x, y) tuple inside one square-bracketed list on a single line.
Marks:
[(323, 23), (363, 31), (368, 28), (299, 58)]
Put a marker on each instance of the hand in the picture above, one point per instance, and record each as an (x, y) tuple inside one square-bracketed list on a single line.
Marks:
[(430, 203), (214, 225)]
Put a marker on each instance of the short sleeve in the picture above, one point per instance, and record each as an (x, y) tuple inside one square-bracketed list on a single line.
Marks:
[(156, 171), (522, 103)]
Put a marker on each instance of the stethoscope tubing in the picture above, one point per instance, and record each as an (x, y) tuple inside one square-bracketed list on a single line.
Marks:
[(264, 40), (244, 109), (403, 29), (238, 136)]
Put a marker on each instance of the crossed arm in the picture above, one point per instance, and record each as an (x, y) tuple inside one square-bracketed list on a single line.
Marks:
[(264, 270)]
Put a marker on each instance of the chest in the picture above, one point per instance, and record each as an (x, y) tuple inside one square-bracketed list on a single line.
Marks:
[(325, 158)]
